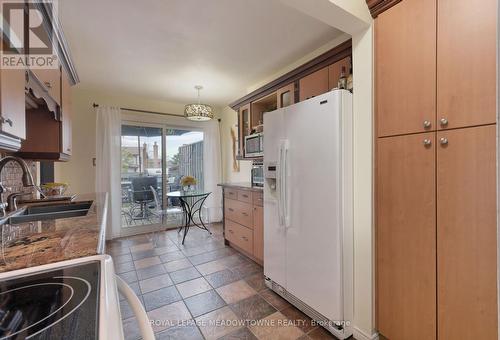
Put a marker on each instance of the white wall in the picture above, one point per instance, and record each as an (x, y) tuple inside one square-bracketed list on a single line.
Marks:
[(79, 172), (364, 273), (229, 117)]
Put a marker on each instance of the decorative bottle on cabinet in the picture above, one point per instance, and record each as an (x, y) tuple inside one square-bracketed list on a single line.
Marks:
[(349, 85), (342, 84)]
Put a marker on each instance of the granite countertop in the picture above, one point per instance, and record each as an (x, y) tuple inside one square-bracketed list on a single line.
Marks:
[(241, 185), (41, 242)]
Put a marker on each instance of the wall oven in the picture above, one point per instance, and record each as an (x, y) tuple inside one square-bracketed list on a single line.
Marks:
[(254, 145), (258, 175)]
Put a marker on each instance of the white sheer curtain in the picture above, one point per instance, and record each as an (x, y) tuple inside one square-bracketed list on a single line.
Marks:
[(108, 135), (212, 169)]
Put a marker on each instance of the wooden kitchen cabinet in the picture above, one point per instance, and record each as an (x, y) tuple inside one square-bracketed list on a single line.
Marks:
[(240, 236), (286, 95), (310, 79), (259, 108), (258, 232), (244, 221), (48, 137), (51, 80), (406, 237), (405, 67), (436, 233), (243, 126), (466, 62), (467, 233), (66, 116), (313, 84), (239, 212), (12, 102), (335, 70)]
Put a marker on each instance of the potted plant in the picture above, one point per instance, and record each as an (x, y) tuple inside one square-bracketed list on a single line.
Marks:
[(187, 182)]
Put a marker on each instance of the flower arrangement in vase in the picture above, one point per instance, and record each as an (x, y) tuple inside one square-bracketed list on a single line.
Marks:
[(187, 182)]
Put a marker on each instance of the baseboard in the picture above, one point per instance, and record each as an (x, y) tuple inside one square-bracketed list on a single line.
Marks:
[(360, 335)]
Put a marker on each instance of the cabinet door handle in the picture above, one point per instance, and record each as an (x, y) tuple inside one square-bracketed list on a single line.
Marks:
[(427, 142), (231, 231), (443, 141), (48, 84), (230, 209), (246, 196), (244, 214), (245, 238), (444, 122), (427, 124)]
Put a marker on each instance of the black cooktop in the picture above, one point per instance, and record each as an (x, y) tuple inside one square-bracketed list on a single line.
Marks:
[(58, 304)]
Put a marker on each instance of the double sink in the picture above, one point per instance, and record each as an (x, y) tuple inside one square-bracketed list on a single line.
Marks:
[(48, 212)]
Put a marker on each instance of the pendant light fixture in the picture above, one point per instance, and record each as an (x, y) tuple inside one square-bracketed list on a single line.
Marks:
[(198, 112)]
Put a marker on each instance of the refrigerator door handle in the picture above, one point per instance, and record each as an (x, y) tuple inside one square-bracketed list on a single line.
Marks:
[(284, 180), (280, 184)]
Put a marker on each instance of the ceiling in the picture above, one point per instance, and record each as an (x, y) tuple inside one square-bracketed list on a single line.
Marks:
[(162, 48)]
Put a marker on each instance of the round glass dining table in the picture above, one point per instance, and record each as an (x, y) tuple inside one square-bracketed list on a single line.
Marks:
[(191, 203)]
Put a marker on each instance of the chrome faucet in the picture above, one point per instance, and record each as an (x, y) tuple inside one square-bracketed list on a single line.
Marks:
[(27, 180)]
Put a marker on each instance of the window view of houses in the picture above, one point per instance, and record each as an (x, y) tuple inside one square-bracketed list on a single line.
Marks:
[(142, 176)]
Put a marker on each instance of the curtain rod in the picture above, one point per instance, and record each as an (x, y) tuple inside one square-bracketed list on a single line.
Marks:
[(147, 111), (143, 111)]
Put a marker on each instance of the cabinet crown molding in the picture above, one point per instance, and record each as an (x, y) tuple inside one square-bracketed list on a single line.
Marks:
[(378, 6), (62, 50)]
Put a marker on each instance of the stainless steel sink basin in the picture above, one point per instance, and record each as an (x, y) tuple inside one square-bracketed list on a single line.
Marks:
[(50, 212)]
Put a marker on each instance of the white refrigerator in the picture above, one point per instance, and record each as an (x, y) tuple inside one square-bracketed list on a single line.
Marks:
[(308, 194)]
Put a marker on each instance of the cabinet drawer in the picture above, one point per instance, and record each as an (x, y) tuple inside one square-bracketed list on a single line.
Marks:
[(239, 212), (240, 236), (231, 193), (258, 199), (245, 196)]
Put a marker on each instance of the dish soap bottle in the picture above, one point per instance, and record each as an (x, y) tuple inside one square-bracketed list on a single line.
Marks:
[(349, 80), (342, 83)]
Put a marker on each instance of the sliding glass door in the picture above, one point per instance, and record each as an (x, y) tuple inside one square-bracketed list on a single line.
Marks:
[(141, 174), (154, 158)]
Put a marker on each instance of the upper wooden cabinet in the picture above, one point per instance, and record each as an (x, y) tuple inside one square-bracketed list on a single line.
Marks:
[(313, 84), (243, 126), (466, 62), (467, 233), (286, 95), (51, 80), (48, 136), (405, 66), (66, 116), (12, 103), (406, 237), (335, 70)]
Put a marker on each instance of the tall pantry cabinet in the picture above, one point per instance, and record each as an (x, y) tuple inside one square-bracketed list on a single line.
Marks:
[(436, 170)]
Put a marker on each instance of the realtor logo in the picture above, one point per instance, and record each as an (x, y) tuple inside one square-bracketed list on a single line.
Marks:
[(28, 34)]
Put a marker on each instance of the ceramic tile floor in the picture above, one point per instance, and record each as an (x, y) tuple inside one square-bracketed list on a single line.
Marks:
[(203, 290)]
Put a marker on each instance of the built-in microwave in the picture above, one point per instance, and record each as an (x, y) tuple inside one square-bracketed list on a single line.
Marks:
[(254, 145)]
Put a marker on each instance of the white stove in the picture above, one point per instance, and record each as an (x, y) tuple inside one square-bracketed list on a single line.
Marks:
[(73, 300)]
